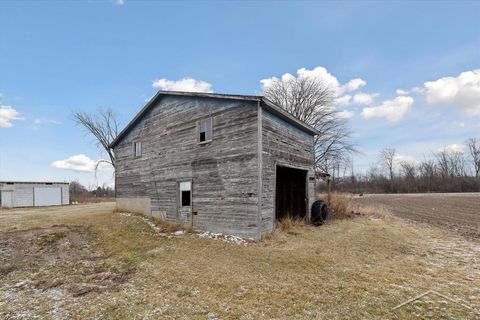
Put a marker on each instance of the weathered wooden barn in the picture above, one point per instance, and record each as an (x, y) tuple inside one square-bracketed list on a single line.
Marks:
[(33, 194), (224, 163)]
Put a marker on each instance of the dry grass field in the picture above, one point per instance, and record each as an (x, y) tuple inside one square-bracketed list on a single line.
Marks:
[(456, 212), (88, 262)]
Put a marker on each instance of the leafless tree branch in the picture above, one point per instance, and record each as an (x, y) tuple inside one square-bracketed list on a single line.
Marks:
[(311, 101), (473, 145), (103, 125)]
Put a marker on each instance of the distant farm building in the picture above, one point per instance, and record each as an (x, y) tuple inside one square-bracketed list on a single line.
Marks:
[(33, 194), (224, 163)]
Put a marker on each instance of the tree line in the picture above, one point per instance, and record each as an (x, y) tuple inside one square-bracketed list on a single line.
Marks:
[(443, 171), (78, 192)]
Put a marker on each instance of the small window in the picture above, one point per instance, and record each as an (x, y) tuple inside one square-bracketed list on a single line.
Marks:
[(185, 193), (205, 130), (137, 149)]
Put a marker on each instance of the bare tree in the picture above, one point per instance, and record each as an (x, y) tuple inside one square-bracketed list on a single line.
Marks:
[(457, 164), (409, 173), (428, 172), (451, 163), (443, 163), (387, 158), (473, 145), (444, 171), (76, 188), (103, 125), (311, 101)]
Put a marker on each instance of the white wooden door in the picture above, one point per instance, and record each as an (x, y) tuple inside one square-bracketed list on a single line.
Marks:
[(48, 196), (185, 202), (7, 199)]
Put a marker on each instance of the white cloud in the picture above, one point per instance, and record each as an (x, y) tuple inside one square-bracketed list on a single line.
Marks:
[(185, 84), (78, 162), (462, 91), (345, 114), (343, 100), (364, 99), (353, 85), (401, 92), (7, 115), (320, 73), (340, 90), (399, 158), (119, 2), (42, 121), (392, 110), (453, 148)]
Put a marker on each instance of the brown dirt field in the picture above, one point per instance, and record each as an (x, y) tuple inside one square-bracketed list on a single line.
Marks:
[(455, 212)]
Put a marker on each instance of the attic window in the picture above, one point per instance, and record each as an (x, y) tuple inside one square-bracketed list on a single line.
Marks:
[(137, 149), (205, 130)]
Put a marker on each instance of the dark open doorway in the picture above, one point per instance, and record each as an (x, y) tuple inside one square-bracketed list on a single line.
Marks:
[(291, 196)]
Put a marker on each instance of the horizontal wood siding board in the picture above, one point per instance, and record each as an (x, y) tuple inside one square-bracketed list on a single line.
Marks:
[(224, 171), (283, 144)]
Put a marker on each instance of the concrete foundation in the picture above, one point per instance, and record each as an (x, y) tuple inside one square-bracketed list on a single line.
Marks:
[(137, 205)]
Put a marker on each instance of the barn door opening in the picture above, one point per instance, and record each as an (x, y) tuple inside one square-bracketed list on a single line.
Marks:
[(291, 195)]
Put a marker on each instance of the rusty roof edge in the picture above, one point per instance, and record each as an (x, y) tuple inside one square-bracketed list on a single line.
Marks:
[(272, 106)]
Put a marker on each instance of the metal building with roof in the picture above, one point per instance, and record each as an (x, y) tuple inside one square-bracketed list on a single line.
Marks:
[(33, 193)]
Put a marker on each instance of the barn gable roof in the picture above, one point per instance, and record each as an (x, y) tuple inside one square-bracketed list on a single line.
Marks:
[(265, 103)]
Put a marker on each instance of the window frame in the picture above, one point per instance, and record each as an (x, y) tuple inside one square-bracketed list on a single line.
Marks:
[(180, 195), (199, 124), (134, 149)]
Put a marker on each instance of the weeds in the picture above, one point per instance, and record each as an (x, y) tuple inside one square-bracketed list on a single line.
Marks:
[(168, 227), (289, 223), (342, 207), (50, 239), (162, 225)]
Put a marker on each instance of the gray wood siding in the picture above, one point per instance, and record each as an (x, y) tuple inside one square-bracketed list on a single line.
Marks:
[(282, 144), (223, 172)]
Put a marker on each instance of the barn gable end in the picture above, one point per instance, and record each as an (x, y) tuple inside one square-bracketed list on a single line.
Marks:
[(223, 172), (165, 169)]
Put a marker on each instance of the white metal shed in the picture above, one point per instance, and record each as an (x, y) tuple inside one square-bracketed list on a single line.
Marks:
[(33, 194)]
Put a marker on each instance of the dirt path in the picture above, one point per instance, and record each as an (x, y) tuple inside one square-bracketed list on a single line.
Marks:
[(457, 212)]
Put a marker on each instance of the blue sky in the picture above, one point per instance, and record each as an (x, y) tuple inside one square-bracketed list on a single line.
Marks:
[(56, 57)]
